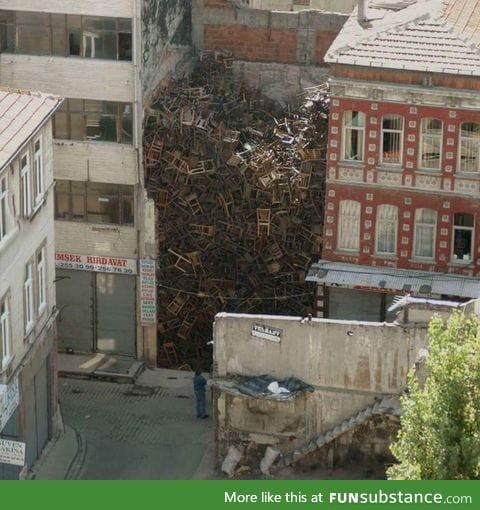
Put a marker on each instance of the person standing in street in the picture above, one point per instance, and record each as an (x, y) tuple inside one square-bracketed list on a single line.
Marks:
[(199, 384)]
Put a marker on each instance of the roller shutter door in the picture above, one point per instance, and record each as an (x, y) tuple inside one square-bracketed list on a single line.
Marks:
[(115, 299), (75, 302)]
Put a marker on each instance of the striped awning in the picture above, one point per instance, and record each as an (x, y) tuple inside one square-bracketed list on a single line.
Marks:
[(392, 279)]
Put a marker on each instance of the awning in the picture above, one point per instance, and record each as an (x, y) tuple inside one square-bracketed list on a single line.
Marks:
[(392, 279)]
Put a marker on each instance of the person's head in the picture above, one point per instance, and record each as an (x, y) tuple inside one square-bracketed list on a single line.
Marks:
[(198, 372)]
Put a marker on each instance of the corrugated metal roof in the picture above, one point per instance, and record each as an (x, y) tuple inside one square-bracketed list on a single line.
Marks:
[(428, 35), (21, 114), (417, 282)]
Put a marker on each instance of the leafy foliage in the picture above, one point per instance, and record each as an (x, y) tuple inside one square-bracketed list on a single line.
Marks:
[(439, 437)]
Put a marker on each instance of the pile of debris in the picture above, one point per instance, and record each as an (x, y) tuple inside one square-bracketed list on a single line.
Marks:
[(239, 190)]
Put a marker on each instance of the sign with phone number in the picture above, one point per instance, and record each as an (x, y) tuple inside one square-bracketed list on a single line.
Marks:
[(95, 263)]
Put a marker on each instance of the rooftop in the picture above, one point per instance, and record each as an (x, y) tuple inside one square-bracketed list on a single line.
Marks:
[(420, 35), (22, 113)]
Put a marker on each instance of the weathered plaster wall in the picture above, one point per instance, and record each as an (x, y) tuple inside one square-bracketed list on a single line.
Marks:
[(166, 42), (349, 363)]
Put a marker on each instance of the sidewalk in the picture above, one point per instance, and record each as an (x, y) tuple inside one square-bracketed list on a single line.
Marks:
[(63, 457)]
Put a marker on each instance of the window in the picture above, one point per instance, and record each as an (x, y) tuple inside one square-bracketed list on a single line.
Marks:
[(430, 144), (38, 171), (349, 225), (35, 33), (4, 226), (353, 135), (28, 298), (386, 231), (470, 147), (425, 226), (41, 287), (392, 139), (26, 185), (102, 121), (5, 341), (463, 237), (94, 202)]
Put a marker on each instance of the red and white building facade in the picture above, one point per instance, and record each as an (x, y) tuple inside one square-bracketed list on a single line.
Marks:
[(402, 212)]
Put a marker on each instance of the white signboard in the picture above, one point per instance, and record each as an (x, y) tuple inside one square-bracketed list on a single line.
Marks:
[(9, 399), (96, 263), (148, 292), (267, 332), (12, 452)]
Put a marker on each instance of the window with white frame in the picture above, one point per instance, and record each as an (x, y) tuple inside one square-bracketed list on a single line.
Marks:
[(3, 207), (470, 147), (5, 341), (463, 237), (392, 139), (38, 185), (353, 135), (26, 185), (431, 144), (425, 228), (386, 229), (349, 225), (29, 309), (41, 288)]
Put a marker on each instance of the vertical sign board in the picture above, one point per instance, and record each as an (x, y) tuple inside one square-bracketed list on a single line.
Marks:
[(148, 292), (9, 399), (12, 452)]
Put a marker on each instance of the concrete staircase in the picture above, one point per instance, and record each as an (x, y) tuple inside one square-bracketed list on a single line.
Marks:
[(387, 405)]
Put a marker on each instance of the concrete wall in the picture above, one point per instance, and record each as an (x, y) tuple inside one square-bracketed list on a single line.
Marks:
[(123, 8), (166, 42), (349, 364)]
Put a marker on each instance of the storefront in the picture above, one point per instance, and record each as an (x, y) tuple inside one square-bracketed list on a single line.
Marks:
[(96, 298)]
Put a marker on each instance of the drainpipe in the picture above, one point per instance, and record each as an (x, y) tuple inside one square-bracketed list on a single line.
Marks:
[(362, 11)]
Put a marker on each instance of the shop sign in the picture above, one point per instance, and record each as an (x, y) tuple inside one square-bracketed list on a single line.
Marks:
[(95, 263), (266, 332), (12, 452), (9, 399), (148, 292)]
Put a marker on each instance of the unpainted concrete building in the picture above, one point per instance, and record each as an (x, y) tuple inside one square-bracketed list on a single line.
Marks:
[(357, 370)]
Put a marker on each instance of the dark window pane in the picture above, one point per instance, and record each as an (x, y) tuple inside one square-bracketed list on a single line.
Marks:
[(74, 43), (106, 46), (124, 46), (62, 205), (76, 105), (127, 210), (125, 25), (58, 20), (60, 129), (96, 24), (78, 207), (7, 34), (77, 130), (32, 18), (127, 129), (33, 40), (59, 42), (108, 128)]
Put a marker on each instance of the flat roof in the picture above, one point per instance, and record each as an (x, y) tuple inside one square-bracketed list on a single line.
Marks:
[(22, 113)]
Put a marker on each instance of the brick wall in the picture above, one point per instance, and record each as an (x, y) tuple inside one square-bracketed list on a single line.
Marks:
[(372, 183), (253, 43), (264, 36)]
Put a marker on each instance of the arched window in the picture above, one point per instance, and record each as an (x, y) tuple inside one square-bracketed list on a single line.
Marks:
[(349, 225), (470, 147), (353, 135), (392, 139), (386, 229), (430, 144), (462, 243), (425, 228)]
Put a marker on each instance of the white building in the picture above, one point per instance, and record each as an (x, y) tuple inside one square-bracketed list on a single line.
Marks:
[(27, 293), (90, 53)]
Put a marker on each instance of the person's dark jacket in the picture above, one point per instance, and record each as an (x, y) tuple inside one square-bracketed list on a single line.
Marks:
[(199, 383)]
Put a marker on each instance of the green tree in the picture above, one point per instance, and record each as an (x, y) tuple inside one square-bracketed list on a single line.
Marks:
[(439, 437)]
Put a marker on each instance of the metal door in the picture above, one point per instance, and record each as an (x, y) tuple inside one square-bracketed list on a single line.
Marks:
[(30, 423), (348, 304), (116, 318), (41, 407), (75, 302)]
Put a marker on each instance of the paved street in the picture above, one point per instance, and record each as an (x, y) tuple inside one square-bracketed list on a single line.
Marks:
[(137, 432)]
